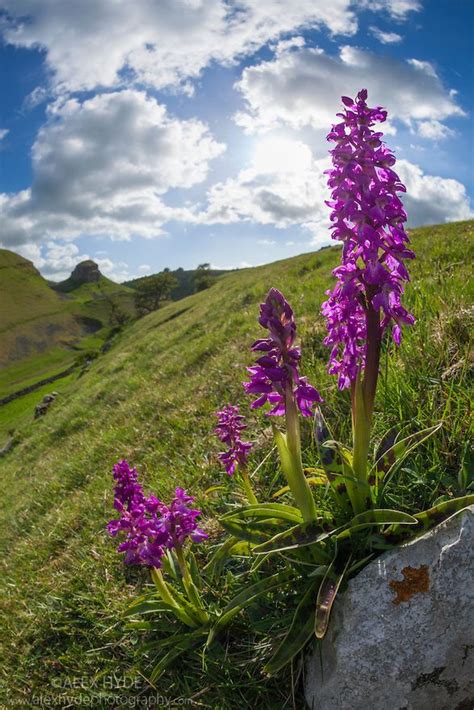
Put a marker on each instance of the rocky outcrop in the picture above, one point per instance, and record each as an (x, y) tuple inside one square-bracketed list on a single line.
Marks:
[(402, 635), (87, 272)]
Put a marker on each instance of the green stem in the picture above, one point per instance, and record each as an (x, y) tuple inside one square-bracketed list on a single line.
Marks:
[(293, 468), (189, 586), (165, 594), (361, 440), (247, 486), (363, 397)]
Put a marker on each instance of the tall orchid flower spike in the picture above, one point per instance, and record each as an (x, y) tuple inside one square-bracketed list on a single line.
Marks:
[(368, 218), (228, 430), (277, 381)]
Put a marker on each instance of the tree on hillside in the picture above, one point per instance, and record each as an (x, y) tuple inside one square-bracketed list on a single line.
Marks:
[(153, 290), (202, 277)]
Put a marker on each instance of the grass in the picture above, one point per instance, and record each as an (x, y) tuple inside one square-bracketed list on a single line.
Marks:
[(151, 399)]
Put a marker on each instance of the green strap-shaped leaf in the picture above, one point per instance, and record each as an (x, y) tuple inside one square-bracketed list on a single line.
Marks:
[(249, 595), (266, 510), (430, 518), (433, 516), (378, 516), (299, 633), (256, 531), (298, 536), (328, 591), (328, 456)]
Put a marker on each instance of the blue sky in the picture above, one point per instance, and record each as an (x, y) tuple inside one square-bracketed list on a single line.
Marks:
[(175, 132)]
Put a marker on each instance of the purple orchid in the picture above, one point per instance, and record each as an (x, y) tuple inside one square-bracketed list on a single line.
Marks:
[(229, 427), (367, 217), (276, 373), (151, 527)]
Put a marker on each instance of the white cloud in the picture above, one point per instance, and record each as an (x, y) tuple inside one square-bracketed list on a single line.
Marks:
[(398, 9), (89, 44), (144, 268), (289, 191), (102, 166), (302, 87), (385, 37), (293, 195), (431, 199), (266, 242), (3, 133), (434, 130)]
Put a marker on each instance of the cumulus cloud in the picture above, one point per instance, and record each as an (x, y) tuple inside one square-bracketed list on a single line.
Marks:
[(95, 42), (302, 85), (398, 9), (291, 192), (434, 130), (385, 37), (101, 167), (431, 199), (287, 192)]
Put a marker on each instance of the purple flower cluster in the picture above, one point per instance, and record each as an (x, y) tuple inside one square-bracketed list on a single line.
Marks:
[(276, 373), (229, 427), (150, 526), (367, 217)]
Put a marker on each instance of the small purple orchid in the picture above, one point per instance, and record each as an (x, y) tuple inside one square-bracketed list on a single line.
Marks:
[(276, 376), (151, 527), (229, 427), (367, 217)]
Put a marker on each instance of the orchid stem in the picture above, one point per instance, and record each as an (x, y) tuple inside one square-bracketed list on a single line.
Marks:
[(295, 475), (247, 486), (167, 597)]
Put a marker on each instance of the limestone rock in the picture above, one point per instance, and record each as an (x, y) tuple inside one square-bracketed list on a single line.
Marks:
[(402, 636)]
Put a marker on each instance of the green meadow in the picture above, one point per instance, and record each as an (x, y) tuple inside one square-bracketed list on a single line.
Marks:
[(151, 399)]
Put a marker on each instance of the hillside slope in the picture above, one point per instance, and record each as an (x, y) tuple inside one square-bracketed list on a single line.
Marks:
[(39, 324), (33, 317), (186, 281), (151, 399)]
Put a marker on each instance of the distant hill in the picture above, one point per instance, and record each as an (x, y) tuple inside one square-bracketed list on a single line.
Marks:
[(37, 317), (187, 284)]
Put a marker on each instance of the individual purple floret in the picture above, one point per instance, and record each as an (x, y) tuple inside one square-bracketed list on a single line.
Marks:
[(151, 527), (229, 427), (276, 373), (367, 217)]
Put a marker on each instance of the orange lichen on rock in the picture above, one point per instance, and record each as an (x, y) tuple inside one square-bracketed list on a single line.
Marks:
[(416, 580)]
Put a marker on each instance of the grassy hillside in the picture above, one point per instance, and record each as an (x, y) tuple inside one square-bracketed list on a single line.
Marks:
[(41, 330), (151, 399), (186, 281)]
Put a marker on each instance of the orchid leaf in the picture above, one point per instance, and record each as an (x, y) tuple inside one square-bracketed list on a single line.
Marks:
[(249, 595), (299, 633), (148, 606), (440, 512), (376, 517), (255, 531), (266, 510), (328, 591), (298, 536)]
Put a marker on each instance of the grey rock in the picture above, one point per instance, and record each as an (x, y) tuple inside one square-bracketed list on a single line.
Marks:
[(402, 635)]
